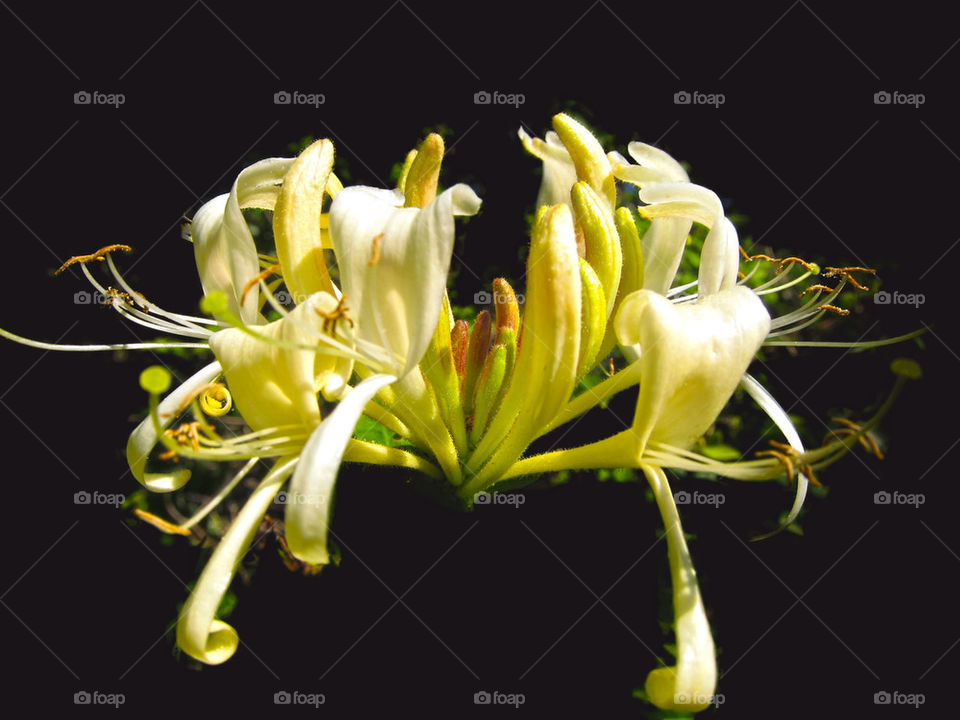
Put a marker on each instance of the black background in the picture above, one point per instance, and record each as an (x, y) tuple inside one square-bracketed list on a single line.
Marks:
[(799, 146)]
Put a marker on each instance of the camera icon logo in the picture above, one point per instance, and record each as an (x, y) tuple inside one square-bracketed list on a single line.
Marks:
[(282, 498), (482, 298), (482, 498), (482, 698), (282, 698), (82, 498), (882, 97), (482, 97), (882, 698), (282, 97), (882, 298), (882, 498), (682, 497), (82, 297), (82, 698), (682, 97), (82, 97)]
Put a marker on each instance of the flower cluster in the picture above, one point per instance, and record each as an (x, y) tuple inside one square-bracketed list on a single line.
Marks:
[(370, 332)]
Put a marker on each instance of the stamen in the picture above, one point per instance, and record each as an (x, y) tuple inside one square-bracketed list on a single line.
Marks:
[(273, 269), (847, 273), (330, 319), (810, 267), (93, 257), (375, 254), (834, 308), (159, 523), (818, 287)]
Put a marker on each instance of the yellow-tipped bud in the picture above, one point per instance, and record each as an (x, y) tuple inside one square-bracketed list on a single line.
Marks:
[(506, 307), (602, 243), (588, 157), (420, 182)]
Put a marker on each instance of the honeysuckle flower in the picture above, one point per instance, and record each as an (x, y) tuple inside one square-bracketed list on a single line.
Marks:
[(469, 401)]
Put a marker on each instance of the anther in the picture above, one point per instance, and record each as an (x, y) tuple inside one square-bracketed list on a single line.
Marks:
[(819, 288), (789, 260), (260, 276), (330, 319), (98, 256), (375, 253), (847, 273), (835, 309)]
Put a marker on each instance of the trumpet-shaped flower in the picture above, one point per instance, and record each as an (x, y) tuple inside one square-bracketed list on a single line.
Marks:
[(377, 338)]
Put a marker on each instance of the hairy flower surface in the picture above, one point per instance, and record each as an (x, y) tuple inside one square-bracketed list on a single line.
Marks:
[(365, 328)]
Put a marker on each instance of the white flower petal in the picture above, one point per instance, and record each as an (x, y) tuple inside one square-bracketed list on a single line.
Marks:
[(307, 516), (273, 384), (394, 263), (225, 253), (693, 355), (199, 633), (559, 172)]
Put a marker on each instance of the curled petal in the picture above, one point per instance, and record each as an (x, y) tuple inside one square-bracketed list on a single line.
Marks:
[(144, 438), (225, 253), (199, 633), (690, 684), (311, 489), (559, 172)]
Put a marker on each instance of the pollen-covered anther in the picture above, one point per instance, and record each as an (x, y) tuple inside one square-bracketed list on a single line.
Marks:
[(331, 318), (851, 428), (790, 458), (273, 269), (98, 256), (758, 256), (834, 309), (809, 267), (186, 433), (818, 288), (847, 274)]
